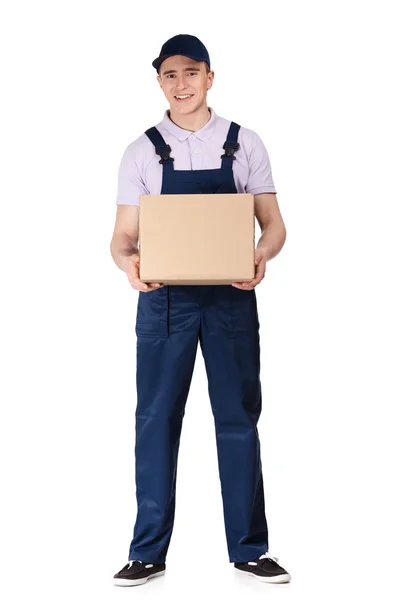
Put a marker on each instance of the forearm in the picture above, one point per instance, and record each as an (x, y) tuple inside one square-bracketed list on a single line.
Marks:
[(272, 239), (122, 247)]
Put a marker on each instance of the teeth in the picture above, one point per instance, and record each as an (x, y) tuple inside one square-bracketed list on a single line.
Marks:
[(187, 96)]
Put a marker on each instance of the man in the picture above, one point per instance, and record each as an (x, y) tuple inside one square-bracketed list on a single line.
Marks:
[(185, 154)]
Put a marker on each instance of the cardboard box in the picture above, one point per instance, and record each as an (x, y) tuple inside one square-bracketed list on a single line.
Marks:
[(197, 239)]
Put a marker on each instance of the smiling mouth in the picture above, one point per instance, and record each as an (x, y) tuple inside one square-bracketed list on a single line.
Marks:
[(183, 97)]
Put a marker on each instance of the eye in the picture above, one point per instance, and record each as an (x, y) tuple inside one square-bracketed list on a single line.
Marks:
[(171, 75)]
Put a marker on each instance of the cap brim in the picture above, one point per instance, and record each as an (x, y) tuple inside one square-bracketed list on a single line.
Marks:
[(158, 61)]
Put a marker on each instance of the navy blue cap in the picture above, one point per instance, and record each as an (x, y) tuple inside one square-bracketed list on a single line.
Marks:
[(184, 45)]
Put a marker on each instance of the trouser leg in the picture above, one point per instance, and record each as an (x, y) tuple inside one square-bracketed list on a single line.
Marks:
[(164, 371), (230, 347)]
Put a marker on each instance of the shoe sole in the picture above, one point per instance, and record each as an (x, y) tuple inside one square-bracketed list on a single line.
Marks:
[(127, 582), (275, 579)]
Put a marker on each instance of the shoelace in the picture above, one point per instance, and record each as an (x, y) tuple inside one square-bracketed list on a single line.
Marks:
[(262, 557), (140, 561), (132, 561)]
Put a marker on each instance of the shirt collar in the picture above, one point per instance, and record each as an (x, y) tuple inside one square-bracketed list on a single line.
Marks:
[(202, 134)]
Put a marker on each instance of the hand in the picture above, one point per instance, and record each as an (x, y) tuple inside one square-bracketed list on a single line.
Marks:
[(260, 270), (133, 273)]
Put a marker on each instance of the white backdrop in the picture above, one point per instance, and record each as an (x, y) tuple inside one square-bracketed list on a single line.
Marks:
[(315, 80)]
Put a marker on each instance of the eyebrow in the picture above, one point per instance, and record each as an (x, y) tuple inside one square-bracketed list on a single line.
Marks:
[(186, 69)]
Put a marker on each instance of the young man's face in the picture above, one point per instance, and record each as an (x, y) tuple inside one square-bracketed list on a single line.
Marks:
[(182, 76)]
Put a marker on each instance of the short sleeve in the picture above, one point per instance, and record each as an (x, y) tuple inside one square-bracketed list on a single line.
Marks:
[(130, 182), (260, 178)]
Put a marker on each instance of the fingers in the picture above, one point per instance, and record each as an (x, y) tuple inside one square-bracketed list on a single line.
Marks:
[(154, 286), (134, 277), (137, 284), (248, 285), (243, 285), (140, 286)]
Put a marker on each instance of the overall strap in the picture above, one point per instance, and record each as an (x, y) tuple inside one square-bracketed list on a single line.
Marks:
[(230, 146), (161, 147)]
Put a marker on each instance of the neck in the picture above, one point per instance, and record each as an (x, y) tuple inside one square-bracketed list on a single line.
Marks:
[(192, 122)]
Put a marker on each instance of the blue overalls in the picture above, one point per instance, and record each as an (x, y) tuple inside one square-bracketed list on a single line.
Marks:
[(170, 321)]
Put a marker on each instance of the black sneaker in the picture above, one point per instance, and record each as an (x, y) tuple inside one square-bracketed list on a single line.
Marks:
[(137, 572), (265, 568)]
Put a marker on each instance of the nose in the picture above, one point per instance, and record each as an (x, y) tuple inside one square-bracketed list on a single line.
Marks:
[(181, 83)]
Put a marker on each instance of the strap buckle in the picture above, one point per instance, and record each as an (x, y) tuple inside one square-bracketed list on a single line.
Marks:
[(164, 153), (230, 148)]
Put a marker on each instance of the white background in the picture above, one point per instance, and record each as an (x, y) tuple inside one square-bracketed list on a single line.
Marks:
[(315, 80)]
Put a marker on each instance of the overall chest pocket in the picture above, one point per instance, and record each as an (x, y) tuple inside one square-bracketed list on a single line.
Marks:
[(152, 319)]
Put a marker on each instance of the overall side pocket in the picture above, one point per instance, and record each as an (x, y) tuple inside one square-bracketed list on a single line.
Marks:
[(152, 319), (245, 318)]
